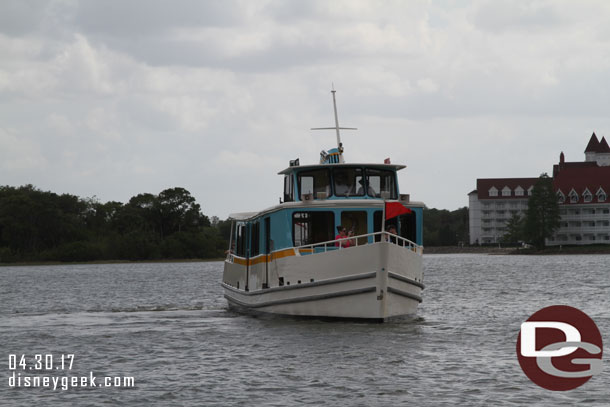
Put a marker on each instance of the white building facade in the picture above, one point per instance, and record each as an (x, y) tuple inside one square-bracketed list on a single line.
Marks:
[(493, 204), (583, 193)]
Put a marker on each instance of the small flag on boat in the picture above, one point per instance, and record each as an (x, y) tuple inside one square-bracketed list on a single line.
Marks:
[(393, 209), (387, 161)]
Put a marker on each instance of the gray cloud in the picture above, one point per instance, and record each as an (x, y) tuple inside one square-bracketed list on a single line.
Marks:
[(22, 17), (501, 16), (139, 18), (117, 98)]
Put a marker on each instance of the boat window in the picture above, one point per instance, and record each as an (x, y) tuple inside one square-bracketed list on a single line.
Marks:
[(288, 188), (348, 182), (381, 183), (312, 227), (408, 226), (240, 239), (255, 239), (314, 182), (355, 221)]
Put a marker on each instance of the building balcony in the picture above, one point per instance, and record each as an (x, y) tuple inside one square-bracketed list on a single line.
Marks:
[(585, 218), (584, 229)]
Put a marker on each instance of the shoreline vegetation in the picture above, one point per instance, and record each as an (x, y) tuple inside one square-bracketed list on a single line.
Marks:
[(94, 262), (44, 228)]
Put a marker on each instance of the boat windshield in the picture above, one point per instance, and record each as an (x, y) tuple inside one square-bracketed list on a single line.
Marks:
[(313, 182), (348, 182), (381, 183)]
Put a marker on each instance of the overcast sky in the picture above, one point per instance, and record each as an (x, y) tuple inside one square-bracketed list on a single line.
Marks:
[(116, 98)]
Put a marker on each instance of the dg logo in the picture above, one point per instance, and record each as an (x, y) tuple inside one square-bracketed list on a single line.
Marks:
[(560, 348)]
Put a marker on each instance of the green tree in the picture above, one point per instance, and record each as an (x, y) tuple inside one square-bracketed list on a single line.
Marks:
[(542, 218), (224, 231), (178, 212), (514, 229), (32, 221), (40, 225), (445, 228)]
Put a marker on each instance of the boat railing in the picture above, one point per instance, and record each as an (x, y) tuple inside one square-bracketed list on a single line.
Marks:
[(374, 237), (332, 245)]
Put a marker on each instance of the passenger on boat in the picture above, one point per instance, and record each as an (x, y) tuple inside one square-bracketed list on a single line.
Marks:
[(342, 235), (369, 191), (390, 229)]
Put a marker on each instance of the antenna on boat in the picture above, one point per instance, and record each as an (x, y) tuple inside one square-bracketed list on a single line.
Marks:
[(337, 128)]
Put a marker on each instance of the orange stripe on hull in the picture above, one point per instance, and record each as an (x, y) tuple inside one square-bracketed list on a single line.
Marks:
[(264, 258)]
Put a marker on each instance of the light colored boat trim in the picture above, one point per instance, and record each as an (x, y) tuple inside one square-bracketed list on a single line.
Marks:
[(406, 280), (405, 294), (321, 203), (363, 276), (381, 166), (303, 299)]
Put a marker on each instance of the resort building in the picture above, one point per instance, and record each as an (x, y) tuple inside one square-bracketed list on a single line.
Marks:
[(583, 193), (493, 203)]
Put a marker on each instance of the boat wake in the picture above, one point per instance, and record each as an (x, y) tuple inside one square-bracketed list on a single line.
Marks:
[(199, 306)]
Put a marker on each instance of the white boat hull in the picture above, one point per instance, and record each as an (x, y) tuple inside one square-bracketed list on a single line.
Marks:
[(373, 281)]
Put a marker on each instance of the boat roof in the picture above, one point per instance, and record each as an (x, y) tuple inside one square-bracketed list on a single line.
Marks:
[(242, 215), (395, 167)]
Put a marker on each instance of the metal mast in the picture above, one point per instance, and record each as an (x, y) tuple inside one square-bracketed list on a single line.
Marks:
[(337, 127)]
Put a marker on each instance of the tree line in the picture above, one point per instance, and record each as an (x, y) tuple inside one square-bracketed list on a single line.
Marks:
[(445, 228), (37, 225)]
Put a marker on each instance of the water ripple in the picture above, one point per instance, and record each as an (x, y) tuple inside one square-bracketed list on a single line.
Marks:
[(168, 326)]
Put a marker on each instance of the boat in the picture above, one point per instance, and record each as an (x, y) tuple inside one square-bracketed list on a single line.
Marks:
[(295, 258)]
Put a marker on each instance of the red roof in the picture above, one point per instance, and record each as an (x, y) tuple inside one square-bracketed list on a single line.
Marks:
[(603, 146), (485, 184), (574, 164), (579, 178), (593, 144), (596, 146)]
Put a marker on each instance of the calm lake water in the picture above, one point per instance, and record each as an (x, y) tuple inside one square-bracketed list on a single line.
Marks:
[(168, 327)]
